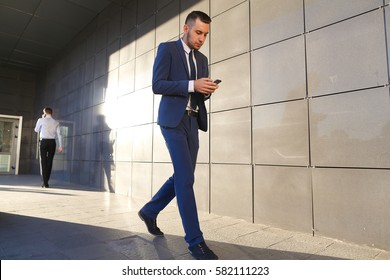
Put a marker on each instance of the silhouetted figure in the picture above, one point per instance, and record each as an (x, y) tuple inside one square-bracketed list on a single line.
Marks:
[(106, 151)]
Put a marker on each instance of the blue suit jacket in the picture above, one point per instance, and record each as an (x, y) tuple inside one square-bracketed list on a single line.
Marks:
[(170, 79)]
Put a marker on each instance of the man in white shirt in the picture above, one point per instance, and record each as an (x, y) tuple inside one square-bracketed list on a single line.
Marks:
[(48, 128)]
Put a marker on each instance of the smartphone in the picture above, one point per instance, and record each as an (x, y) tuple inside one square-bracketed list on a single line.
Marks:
[(217, 81)]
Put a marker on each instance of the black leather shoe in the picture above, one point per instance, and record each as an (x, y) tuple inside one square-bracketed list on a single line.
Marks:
[(151, 224), (202, 252)]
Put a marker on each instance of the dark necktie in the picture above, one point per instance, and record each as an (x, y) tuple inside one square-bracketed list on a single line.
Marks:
[(192, 77)]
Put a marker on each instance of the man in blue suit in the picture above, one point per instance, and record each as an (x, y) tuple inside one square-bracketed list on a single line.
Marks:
[(181, 76)]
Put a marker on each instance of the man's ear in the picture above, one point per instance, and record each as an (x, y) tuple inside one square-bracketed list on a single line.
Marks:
[(186, 28)]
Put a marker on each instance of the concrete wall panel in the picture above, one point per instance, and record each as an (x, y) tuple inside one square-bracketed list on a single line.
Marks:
[(231, 190), (280, 134), (278, 72), (347, 56), (273, 21), (351, 130), (282, 197), (352, 204), (320, 13)]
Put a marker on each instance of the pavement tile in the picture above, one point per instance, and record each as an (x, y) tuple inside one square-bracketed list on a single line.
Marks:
[(30, 251), (300, 243), (228, 251), (259, 239), (137, 248), (89, 252), (230, 232), (216, 223), (349, 251), (383, 255)]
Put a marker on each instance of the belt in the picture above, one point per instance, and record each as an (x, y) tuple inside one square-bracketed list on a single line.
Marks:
[(48, 139), (191, 113)]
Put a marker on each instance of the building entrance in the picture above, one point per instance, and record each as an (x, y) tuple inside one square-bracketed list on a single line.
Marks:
[(10, 139)]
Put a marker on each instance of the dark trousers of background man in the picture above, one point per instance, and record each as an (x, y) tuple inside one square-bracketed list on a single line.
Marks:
[(47, 150)]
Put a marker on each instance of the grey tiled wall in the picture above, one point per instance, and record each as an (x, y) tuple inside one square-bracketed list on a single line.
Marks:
[(299, 128)]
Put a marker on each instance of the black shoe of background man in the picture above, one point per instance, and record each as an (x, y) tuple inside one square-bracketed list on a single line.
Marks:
[(151, 224), (202, 252)]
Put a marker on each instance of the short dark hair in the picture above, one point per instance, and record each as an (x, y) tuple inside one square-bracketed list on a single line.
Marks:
[(48, 110), (198, 14)]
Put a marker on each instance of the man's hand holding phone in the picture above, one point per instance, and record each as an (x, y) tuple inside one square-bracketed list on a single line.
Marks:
[(206, 85)]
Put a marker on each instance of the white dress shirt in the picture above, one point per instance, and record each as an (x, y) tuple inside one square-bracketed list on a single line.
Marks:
[(48, 128), (191, 82), (187, 52)]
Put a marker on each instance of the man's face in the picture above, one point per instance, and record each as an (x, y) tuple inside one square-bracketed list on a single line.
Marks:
[(195, 33)]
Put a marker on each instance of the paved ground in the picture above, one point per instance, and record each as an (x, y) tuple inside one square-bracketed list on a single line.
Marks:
[(73, 222)]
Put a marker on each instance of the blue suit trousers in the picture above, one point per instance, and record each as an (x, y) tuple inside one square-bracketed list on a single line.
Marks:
[(183, 145)]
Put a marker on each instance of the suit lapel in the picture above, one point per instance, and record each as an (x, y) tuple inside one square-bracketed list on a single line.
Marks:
[(198, 64)]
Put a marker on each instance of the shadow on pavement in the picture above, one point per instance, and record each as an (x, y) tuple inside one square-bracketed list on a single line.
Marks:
[(32, 238)]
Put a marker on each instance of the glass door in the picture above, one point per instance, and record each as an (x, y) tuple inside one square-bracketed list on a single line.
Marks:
[(10, 129)]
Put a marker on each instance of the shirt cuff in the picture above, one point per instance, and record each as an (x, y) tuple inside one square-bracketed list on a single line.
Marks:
[(191, 86)]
